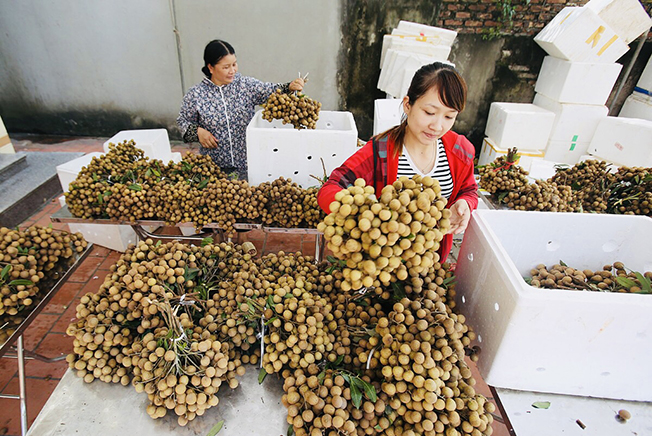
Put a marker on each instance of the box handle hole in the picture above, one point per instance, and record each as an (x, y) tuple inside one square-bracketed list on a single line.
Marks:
[(497, 307), (470, 257), (275, 150)]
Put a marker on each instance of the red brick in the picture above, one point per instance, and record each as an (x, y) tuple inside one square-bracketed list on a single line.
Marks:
[(61, 300), (463, 15), (473, 23), (38, 392), (37, 330), (450, 23)]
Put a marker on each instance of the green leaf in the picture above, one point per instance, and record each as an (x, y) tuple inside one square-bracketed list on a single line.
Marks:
[(541, 404), (95, 178), (646, 288), (625, 282), (331, 259), (148, 173), (270, 302), (448, 281), (261, 376), (290, 430), (206, 241), (377, 427), (502, 196), (216, 428), (203, 184), (190, 273), (369, 391), (6, 270), (356, 395), (156, 172), (19, 282), (158, 243), (562, 263), (399, 291), (321, 376), (528, 280), (135, 187)]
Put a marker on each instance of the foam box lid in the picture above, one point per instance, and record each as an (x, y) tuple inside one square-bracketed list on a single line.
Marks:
[(627, 17)]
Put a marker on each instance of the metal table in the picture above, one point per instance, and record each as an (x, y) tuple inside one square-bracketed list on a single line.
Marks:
[(570, 415), (21, 322), (78, 408), (64, 216)]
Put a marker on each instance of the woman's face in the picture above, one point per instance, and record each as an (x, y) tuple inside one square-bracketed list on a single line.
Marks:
[(223, 72), (428, 119)]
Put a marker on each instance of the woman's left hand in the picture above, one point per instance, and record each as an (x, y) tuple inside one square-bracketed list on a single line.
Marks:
[(460, 216), (297, 84)]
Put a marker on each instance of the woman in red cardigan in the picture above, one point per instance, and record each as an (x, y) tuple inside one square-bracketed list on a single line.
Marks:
[(422, 144)]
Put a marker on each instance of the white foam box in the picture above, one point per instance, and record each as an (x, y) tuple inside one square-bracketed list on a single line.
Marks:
[(154, 142), (68, 171), (541, 169), (645, 81), (561, 341), (580, 35), (438, 35), (275, 149), (416, 44), (566, 151), (398, 69), (521, 125), (112, 236), (637, 105), (5, 143), (573, 122), (576, 82), (624, 141), (490, 151), (7, 149), (626, 17), (387, 113)]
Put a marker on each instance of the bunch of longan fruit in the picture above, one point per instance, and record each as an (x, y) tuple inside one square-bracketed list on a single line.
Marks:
[(297, 109)]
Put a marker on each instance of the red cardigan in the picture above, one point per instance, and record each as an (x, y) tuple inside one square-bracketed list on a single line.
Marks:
[(384, 168)]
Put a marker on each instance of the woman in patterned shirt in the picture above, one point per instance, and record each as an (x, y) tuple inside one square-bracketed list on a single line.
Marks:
[(422, 144), (216, 111)]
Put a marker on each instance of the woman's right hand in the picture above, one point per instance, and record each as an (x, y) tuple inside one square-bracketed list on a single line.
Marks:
[(206, 138)]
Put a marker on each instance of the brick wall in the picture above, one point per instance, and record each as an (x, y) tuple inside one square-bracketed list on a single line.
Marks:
[(487, 17)]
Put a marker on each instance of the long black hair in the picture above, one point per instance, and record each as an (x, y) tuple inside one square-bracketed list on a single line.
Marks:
[(214, 51)]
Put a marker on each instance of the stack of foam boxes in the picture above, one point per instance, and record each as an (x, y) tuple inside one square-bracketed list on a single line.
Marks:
[(409, 47), (576, 79), (574, 83), (155, 144), (5, 143), (639, 103)]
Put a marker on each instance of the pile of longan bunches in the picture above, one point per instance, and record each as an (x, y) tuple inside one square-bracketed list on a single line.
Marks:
[(632, 193), (286, 205), (590, 181), (418, 352), (299, 110), (382, 239), (543, 196), (613, 277), (27, 257), (503, 174)]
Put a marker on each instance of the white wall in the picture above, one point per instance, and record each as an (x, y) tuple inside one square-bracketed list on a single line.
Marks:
[(120, 56)]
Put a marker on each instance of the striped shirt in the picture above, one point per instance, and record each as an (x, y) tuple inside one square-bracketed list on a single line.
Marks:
[(441, 170)]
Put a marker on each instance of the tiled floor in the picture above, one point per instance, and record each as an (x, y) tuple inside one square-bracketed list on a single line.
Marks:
[(46, 335)]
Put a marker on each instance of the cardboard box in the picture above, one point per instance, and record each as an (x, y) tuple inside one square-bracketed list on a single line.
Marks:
[(275, 149), (576, 82), (521, 125), (568, 342), (624, 141), (580, 35), (573, 122)]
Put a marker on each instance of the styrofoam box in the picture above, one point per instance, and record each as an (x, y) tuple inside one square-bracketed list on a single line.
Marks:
[(114, 237), (176, 157), (645, 81), (413, 45), (567, 152), (444, 36), (580, 35), (576, 82), (68, 171), (521, 125), (626, 17), (275, 149), (568, 342), (154, 142), (400, 69), (573, 122), (387, 113), (637, 105), (490, 151), (624, 141), (7, 149), (541, 169)]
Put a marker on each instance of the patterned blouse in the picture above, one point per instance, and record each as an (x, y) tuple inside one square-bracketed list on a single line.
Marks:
[(225, 111)]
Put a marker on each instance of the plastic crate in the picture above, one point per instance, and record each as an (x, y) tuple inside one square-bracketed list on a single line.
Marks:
[(576, 82), (276, 149), (580, 35), (68, 171), (568, 342), (154, 142), (624, 141), (521, 125)]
